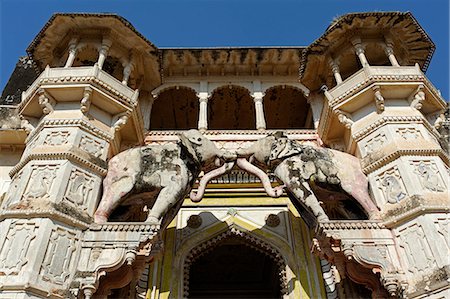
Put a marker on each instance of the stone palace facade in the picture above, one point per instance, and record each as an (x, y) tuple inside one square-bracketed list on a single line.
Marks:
[(93, 87)]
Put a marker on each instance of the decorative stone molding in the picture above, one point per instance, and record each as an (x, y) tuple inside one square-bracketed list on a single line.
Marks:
[(85, 125), (340, 243), (71, 156), (393, 119), (389, 157), (272, 220)]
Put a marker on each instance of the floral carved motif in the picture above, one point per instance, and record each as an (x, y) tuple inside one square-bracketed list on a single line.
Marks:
[(56, 138), (375, 143), (409, 133), (91, 146)]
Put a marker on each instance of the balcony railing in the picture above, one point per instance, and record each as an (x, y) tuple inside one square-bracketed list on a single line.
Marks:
[(80, 74), (365, 75)]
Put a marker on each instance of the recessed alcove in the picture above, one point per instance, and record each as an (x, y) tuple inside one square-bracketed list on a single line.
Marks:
[(231, 108), (175, 109), (286, 107)]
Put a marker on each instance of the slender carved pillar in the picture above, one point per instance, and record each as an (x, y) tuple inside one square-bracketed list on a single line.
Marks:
[(103, 53), (335, 69), (128, 68), (359, 50), (259, 110), (72, 52), (203, 113), (388, 49)]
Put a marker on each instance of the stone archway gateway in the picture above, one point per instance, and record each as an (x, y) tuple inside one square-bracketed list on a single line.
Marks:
[(234, 265)]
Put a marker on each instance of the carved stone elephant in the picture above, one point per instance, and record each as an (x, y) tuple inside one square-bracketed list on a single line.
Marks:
[(164, 174), (299, 166)]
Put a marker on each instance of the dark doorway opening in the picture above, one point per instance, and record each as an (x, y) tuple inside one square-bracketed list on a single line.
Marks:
[(234, 270)]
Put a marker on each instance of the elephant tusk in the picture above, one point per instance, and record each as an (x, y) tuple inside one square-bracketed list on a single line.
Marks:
[(197, 196), (247, 166)]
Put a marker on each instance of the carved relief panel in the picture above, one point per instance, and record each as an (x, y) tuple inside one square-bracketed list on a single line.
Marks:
[(59, 257), (56, 138), (391, 185), (428, 175), (14, 190), (417, 252), (409, 133), (41, 181), (94, 146), (17, 246), (80, 188), (374, 143)]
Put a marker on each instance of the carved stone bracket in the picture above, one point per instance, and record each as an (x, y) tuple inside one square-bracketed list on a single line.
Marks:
[(86, 100), (417, 98), (115, 252), (46, 101), (368, 263), (344, 118), (119, 121), (379, 99)]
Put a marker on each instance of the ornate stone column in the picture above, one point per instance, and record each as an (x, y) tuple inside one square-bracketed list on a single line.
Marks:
[(389, 50), (72, 52), (47, 212), (259, 110), (203, 113), (359, 50), (103, 52), (335, 69)]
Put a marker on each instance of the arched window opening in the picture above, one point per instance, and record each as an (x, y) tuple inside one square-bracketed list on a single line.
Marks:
[(235, 268), (231, 108), (286, 108), (175, 109)]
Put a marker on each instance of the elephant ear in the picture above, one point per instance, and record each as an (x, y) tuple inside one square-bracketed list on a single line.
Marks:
[(187, 144), (284, 148)]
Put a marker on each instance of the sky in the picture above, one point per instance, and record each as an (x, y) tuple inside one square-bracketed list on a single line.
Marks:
[(208, 23)]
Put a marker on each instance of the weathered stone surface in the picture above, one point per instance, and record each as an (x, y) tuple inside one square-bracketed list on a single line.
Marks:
[(300, 167), (165, 173)]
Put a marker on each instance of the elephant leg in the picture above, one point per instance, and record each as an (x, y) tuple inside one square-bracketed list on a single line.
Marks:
[(313, 203), (167, 197), (305, 195), (112, 193)]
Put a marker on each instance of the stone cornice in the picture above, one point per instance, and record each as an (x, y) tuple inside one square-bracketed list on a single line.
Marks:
[(405, 152), (72, 157), (414, 206), (71, 123), (351, 224), (393, 119), (44, 213), (125, 226), (103, 86)]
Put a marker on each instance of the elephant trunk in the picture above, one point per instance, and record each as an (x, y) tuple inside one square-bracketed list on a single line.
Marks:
[(247, 166), (197, 196)]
